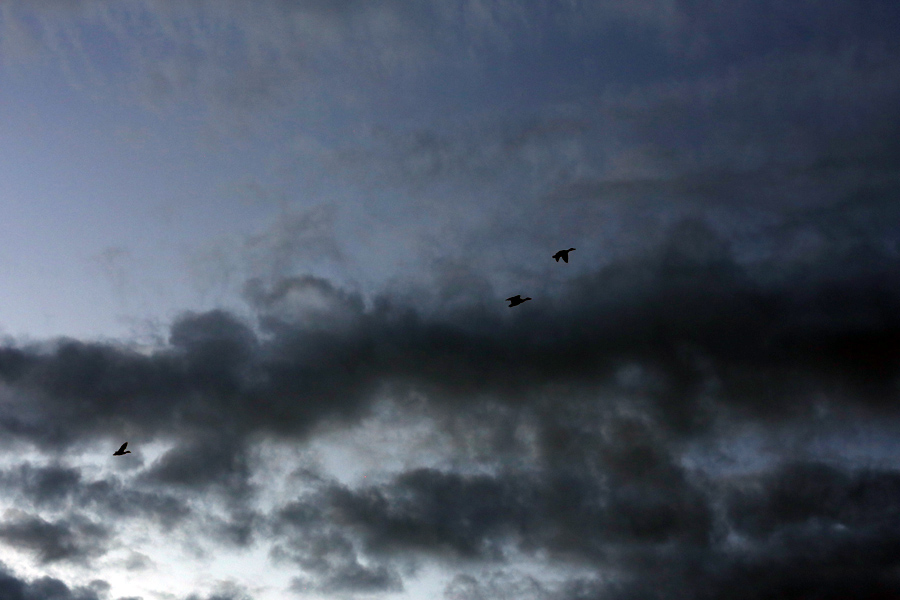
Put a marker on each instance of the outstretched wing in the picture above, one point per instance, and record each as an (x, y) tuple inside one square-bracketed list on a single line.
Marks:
[(122, 449), (516, 297), (565, 257)]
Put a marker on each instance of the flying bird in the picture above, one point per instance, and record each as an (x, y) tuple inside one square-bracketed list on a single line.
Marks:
[(516, 300), (563, 254), (122, 451)]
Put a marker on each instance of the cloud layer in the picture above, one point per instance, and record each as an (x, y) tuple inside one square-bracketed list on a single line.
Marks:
[(600, 389), (701, 404)]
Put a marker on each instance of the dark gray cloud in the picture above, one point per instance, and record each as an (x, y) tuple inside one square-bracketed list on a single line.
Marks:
[(807, 498), (732, 191), (674, 314), (331, 559), (211, 461), (241, 528), (309, 539), (803, 529), (113, 497), (752, 30), (800, 529), (58, 488), (599, 485), (74, 539), (685, 339), (817, 531), (47, 588), (763, 140), (51, 485)]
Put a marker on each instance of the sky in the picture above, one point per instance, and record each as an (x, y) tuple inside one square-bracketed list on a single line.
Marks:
[(268, 245)]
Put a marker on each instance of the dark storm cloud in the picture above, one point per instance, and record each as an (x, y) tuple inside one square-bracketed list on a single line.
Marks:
[(239, 529), (326, 554), (112, 497), (88, 513), (55, 487), (210, 461), (759, 172), (51, 485), (697, 327), (611, 488), (809, 531), (307, 537), (804, 529), (47, 588), (74, 540), (812, 498), (684, 336), (749, 30)]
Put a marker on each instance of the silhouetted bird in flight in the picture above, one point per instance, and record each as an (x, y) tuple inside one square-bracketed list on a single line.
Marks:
[(516, 300), (122, 451), (563, 254)]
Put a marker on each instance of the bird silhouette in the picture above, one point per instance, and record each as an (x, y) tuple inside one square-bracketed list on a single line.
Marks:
[(122, 451), (563, 254), (516, 300)]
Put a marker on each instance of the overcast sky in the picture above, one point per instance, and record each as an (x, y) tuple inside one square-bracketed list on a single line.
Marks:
[(267, 243)]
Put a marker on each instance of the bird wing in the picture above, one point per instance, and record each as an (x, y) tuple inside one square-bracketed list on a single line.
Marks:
[(516, 297), (123, 447), (565, 258)]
